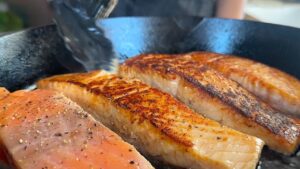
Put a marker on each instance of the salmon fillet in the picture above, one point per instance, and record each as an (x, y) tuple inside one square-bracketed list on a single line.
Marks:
[(273, 86), (214, 96), (43, 129), (156, 123)]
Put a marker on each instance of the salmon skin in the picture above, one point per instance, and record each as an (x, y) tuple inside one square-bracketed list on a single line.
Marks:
[(275, 87), (156, 123), (43, 129), (215, 96)]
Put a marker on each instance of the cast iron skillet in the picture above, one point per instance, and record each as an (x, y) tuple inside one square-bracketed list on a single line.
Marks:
[(35, 53)]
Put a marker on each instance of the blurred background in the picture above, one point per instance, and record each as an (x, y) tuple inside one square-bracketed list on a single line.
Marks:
[(21, 14)]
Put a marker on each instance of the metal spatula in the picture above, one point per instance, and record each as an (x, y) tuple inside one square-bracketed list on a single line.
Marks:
[(75, 20)]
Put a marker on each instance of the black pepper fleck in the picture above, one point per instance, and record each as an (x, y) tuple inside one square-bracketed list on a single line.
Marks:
[(58, 134)]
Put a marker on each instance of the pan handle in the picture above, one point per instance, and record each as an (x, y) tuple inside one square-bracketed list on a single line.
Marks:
[(76, 22)]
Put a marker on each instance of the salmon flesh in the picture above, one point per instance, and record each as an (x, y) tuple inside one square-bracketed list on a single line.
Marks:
[(43, 129)]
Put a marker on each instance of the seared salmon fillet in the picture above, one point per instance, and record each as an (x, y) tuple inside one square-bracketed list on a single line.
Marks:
[(156, 123), (215, 96), (273, 86), (43, 129)]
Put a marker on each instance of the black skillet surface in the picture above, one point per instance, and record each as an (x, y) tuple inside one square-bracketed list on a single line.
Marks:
[(32, 54), (28, 55)]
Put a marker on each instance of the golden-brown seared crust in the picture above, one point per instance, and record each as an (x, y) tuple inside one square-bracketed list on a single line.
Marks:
[(151, 105), (113, 87), (215, 84), (145, 103), (146, 62)]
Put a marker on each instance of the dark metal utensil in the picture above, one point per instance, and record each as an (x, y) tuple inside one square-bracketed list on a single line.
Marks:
[(76, 23)]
